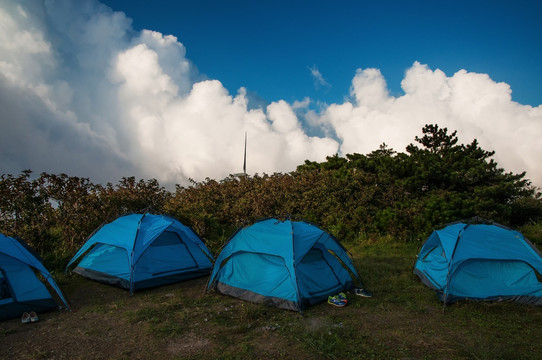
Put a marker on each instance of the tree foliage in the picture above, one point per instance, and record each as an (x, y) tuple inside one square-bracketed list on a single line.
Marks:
[(383, 193), (55, 213)]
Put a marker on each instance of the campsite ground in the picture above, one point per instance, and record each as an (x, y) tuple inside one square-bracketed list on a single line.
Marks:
[(404, 320)]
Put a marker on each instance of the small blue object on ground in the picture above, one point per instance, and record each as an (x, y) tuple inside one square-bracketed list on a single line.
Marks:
[(335, 301), (363, 292)]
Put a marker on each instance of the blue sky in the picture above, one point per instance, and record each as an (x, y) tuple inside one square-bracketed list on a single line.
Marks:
[(167, 89), (269, 47)]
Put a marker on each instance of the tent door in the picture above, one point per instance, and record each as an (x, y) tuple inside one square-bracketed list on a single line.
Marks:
[(167, 254), (314, 275)]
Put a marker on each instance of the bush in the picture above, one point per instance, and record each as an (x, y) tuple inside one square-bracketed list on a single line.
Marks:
[(384, 194)]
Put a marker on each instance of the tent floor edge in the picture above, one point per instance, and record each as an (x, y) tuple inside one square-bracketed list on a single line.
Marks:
[(140, 285), (170, 279), (253, 297), (102, 277), (523, 299)]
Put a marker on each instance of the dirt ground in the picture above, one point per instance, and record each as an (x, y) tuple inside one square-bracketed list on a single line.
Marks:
[(175, 321), (404, 320)]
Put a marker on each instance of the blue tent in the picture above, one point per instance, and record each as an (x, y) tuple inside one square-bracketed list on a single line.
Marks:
[(20, 289), (285, 264), (480, 261), (143, 250)]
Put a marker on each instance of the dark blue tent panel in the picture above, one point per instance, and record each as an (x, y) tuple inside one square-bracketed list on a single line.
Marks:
[(20, 289), (311, 273), (480, 262), (282, 263), (143, 250)]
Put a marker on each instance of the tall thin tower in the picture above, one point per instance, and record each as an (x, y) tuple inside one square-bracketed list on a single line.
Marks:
[(244, 173)]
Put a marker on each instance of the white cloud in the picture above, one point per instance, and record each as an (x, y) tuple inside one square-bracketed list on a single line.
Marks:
[(42, 128), (81, 92), (303, 104), (471, 103), (85, 94), (318, 78)]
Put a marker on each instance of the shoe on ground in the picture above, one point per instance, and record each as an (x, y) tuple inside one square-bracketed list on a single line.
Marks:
[(363, 293), (33, 317), (335, 301), (342, 297), (26, 318)]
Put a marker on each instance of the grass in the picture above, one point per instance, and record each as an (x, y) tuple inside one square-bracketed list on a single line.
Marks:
[(403, 320)]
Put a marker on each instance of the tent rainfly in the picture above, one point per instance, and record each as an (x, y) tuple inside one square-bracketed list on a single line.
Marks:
[(285, 264), (20, 289), (143, 250), (480, 260)]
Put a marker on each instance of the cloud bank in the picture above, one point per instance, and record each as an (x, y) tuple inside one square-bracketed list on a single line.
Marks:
[(471, 103), (81, 92)]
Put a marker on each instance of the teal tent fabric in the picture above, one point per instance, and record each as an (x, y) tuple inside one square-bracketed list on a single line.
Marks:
[(480, 261), (285, 264), (138, 251), (20, 289)]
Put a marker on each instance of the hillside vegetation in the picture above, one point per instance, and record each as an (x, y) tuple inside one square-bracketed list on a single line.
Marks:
[(358, 198)]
